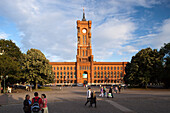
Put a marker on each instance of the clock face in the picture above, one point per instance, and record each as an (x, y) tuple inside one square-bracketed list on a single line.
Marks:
[(84, 30)]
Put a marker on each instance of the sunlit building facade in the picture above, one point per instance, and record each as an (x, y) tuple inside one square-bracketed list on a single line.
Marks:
[(85, 70)]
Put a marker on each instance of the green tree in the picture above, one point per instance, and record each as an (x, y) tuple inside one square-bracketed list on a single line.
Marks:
[(36, 68), (165, 51), (10, 60), (141, 70)]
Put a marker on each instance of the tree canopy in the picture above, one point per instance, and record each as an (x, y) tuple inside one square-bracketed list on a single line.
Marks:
[(36, 68), (144, 67)]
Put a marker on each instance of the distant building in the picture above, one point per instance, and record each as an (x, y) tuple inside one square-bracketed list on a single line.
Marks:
[(85, 70)]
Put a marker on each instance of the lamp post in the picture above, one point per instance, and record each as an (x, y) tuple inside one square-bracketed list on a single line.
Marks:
[(5, 77)]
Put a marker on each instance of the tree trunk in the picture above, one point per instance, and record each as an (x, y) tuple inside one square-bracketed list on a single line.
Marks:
[(36, 85)]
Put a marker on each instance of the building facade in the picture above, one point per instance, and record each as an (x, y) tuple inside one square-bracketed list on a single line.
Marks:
[(85, 70)]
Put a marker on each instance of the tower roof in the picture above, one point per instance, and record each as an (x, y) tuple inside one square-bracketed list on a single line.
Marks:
[(83, 19)]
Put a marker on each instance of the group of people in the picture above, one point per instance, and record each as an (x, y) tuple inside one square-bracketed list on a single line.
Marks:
[(91, 97), (37, 105), (103, 91)]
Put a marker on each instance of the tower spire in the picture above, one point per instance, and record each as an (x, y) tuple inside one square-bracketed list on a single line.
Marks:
[(84, 19)]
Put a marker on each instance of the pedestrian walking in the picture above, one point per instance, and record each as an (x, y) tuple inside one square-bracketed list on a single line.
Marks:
[(36, 103), (110, 92), (104, 91), (88, 96), (27, 104), (93, 99), (119, 87), (44, 107), (101, 92)]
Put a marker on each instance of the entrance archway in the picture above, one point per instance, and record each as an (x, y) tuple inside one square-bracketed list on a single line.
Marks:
[(85, 74)]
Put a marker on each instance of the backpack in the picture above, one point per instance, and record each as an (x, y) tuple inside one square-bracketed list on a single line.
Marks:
[(35, 106)]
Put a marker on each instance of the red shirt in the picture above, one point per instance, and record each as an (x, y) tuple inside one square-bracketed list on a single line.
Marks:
[(40, 101)]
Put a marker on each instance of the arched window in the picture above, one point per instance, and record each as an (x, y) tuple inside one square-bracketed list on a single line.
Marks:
[(83, 52), (121, 75), (104, 74), (57, 74), (94, 74), (111, 74), (101, 74), (61, 75), (85, 39), (108, 74), (118, 74), (115, 74), (98, 75)]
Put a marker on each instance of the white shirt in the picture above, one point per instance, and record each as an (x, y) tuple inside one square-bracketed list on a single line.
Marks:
[(88, 94)]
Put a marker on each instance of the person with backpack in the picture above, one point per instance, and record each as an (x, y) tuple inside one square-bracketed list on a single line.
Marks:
[(44, 107), (36, 103), (27, 104)]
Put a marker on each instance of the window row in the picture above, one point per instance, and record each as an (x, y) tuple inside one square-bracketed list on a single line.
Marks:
[(66, 81), (108, 74), (84, 67), (108, 68), (64, 68), (63, 74), (107, 81)]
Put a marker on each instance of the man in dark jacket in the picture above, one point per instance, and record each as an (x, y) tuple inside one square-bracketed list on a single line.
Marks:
[(110, 91)]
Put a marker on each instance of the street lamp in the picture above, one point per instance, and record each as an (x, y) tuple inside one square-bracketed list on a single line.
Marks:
[(5, 77)]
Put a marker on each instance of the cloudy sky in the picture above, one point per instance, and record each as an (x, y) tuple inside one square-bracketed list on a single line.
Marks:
[(120, 28)]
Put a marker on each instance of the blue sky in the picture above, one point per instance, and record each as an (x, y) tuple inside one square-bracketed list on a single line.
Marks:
[(120, 28)]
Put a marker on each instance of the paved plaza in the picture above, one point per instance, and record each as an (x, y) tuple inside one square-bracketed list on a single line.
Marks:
[(72, 100)]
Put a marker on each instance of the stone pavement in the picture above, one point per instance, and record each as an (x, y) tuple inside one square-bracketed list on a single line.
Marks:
[(71, 100)]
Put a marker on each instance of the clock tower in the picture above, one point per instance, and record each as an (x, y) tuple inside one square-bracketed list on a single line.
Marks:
[(84, 55)]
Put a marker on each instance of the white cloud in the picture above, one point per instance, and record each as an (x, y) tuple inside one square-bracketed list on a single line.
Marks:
[(3, 35), (156, 40), (50, 25)]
